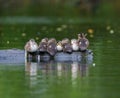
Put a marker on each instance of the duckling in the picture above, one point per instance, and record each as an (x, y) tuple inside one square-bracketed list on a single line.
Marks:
[(83, 42), (74, 44), (31, 46), (51, 46), (66, 45), (59, 46), (43, 45)]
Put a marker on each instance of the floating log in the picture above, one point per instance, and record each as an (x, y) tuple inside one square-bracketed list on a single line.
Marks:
[(19, 56), (61, 56), (12, 56)]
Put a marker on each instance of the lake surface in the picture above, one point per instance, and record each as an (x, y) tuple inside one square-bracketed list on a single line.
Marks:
[(99, 78)]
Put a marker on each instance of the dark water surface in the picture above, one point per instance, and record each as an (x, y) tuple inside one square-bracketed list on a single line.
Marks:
[(98, 79)]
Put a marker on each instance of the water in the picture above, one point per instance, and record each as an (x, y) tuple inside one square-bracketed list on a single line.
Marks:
[(97, 79)]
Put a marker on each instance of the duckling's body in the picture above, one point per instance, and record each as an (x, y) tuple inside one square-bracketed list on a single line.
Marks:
[(51, 47), (59, 46), (83, 42), (31, 46), (43, 45), (74, 44), (66, 45)]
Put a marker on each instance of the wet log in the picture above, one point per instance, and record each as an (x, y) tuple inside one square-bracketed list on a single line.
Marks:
[(61, 56), (19, 56), (12, 56)]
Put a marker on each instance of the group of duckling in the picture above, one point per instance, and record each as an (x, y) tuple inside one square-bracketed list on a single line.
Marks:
[(52, 46)]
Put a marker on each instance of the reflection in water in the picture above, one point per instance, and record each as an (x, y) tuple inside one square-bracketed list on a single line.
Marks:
[(59, 69), (83, 67), (79, 69), (46, 78), (31, 70), (48, 71), (74, 71)]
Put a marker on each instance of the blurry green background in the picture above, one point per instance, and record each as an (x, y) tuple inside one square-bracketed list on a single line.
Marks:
[(21, 20), (58, 8), (66, 8)]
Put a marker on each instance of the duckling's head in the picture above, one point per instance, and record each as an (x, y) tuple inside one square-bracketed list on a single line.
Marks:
[(32, 40), (65, 40), (81, 35), (52, 40), (44, 40)]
